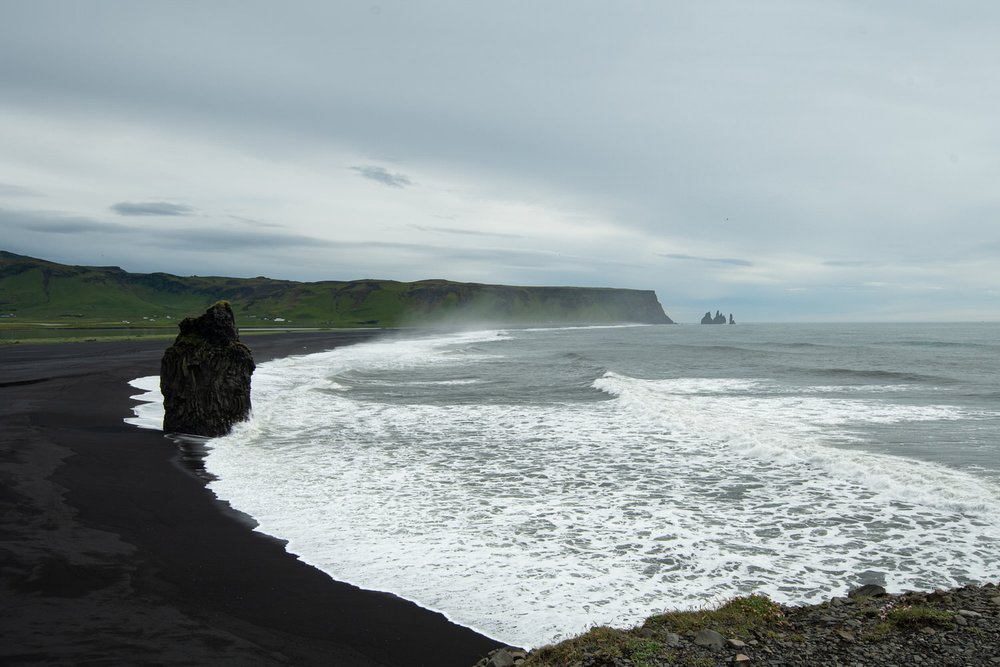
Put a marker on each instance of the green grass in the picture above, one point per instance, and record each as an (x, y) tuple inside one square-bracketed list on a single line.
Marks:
[(602, 642), (642, 651), (911, 618), (736, 618), (13, 332)]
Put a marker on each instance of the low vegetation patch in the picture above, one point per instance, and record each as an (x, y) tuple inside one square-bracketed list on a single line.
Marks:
[(735, 618), (896, 618), (649, 644), (601, 642), (870, 629)]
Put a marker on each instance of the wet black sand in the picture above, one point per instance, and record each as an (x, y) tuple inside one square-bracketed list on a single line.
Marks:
[(113, 552)]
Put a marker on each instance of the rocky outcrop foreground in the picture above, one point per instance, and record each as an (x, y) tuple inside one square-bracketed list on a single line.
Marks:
[(867, 628), (205, 375)]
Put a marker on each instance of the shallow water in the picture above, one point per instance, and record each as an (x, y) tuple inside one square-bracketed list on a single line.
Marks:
[(532, 483)]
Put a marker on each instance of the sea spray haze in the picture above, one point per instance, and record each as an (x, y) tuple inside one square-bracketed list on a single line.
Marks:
[(530, 483)]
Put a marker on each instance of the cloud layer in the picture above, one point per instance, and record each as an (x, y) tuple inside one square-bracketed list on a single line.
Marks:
[(781, 160), (382, 175), (151, 208)]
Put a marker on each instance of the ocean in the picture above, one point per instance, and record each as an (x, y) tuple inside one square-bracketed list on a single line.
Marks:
[(532, 483)]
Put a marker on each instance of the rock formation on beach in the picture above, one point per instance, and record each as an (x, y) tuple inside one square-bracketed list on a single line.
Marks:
[(205, 375)]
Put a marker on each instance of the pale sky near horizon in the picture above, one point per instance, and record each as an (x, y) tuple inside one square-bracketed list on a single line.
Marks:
[(780, 160)]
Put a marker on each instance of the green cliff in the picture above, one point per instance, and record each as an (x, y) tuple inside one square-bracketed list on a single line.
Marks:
[(34, 289)]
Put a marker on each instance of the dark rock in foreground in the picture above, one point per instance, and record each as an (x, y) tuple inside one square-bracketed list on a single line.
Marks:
[(205, 375)]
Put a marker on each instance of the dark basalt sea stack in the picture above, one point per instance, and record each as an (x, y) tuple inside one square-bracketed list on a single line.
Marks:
[(718, 319), (205, 375)]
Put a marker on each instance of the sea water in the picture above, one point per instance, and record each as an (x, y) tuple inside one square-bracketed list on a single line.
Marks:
[(531, 483)]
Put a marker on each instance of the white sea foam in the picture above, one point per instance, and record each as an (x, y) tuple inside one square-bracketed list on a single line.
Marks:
[(148, 413), (798, 432), (531, 522), (584, 327)]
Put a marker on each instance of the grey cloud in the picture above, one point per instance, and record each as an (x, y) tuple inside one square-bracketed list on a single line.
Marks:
[(464, 232), (188, 238), (383, 176), (209, 240), (151, 208), (75, 226), (11, 190), (530, 258), (850, 263), (51, 222), (944, 256), (253, 221), (486, 256), (714, 260)]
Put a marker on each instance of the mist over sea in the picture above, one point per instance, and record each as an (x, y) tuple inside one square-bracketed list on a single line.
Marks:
[(532, 483)]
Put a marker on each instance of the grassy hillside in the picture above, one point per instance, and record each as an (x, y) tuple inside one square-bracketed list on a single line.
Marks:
[(37, 290)]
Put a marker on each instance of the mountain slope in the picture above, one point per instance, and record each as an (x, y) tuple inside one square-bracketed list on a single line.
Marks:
[(37, 289)]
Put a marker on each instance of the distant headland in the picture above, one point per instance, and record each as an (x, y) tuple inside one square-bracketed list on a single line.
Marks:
[(43, 290)]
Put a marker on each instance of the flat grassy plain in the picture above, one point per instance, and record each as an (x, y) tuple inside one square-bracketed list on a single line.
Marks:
[(13, 333)]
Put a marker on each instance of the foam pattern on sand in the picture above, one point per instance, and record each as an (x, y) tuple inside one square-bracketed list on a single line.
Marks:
[(149, 411)]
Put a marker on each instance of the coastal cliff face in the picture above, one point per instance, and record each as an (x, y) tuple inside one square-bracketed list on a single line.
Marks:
[(48, 291), (205, 375), (426, 301)]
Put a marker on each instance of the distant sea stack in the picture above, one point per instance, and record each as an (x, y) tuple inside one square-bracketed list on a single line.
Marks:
[(718, 319), (205, 375)]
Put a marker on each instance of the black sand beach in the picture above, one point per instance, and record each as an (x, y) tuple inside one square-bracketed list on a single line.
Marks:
[(112, 552)]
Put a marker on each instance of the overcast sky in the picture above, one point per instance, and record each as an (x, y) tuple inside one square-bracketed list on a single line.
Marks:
[(779, 160)]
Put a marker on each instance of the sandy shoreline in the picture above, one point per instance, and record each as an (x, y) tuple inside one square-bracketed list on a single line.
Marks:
[(111, 552)]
